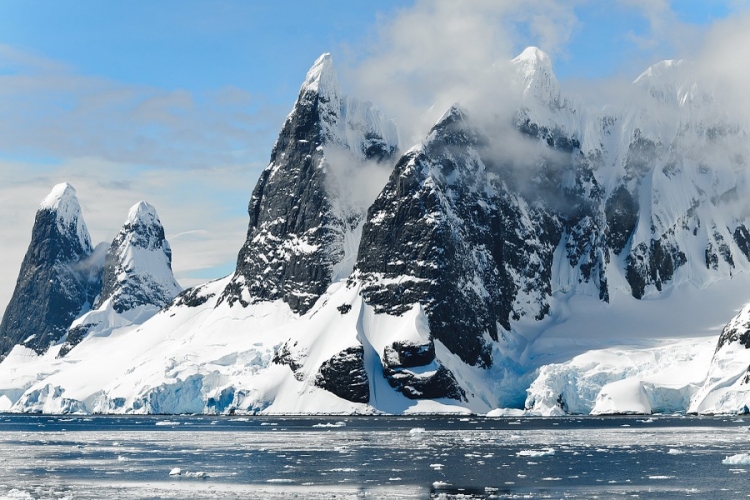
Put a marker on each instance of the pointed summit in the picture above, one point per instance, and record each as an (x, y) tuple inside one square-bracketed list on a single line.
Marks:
[(322, 78), (56, 282), (533, 56), (63, 203), (138, 265), (536, 78), (143, 212)]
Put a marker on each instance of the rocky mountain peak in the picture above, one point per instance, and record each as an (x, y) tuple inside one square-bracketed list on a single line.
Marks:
[(62, 203), (143, 212), (302, 225), (322, 79), (138, 265), (58, 277)]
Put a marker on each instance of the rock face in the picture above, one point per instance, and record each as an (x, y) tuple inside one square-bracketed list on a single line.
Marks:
[(345, 375), (137, 272), (300, 222), (58, 280), (138, 265), (447, 232)]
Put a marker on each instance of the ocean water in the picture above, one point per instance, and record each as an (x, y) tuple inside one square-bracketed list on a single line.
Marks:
[(72, 457)]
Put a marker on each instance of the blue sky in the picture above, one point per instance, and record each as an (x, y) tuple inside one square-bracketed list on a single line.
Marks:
[(179, 101)]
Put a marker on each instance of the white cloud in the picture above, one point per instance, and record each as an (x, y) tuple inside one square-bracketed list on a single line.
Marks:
[(442, 51)]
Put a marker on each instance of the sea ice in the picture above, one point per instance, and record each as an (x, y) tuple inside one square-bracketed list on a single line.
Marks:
[(738, 459), (536, 453)]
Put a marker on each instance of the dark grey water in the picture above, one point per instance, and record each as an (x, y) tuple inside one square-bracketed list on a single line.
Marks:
[(371, 457)]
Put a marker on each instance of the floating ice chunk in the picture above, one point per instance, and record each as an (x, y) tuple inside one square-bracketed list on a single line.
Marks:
[(329, 425), (536, 453), (199, 474), (675, 451), (285, 481), (738, 459), (417, 431), (175, 472), (661, 477), (167, 422), (441, 484)]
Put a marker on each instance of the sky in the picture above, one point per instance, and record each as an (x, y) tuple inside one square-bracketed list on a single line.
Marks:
[(179, 102)]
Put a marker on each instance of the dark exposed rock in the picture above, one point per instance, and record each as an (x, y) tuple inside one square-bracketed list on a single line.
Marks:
[(431, 381), (742, 237), (436, 384), (345, 376), (445, 233), (59, 278), (652, 265), (622, 216), (737, 330), (192, 297), (74, 337), (295, 235), (402, 354)]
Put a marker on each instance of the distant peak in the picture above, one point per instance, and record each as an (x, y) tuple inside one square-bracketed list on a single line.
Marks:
[(143, 211), (322, 77), (662, 69), (61, 195), (533, 55)]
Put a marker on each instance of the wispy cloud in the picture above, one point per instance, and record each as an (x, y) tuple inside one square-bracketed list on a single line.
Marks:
[(49, 109)]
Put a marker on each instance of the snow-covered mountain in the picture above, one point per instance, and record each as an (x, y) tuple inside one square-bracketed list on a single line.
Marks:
[(137, 279), (304, 221), (566, 258), (59, 277)]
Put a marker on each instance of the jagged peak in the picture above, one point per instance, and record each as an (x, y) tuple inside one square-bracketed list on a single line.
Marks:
[(661, 70), (63, 201), (62, 198), (533, 56), (535, 76), (455, 112), (322, 78), (143, 212)]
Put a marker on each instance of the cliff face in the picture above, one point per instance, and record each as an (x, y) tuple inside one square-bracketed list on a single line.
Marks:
[(300, 224), (58, 279)]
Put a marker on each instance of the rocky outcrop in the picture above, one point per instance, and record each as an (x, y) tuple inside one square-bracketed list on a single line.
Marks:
[(412, 369), (344, 375), (59, 277)]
